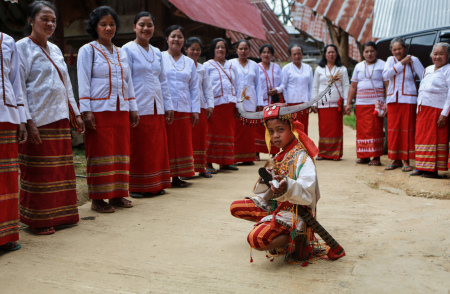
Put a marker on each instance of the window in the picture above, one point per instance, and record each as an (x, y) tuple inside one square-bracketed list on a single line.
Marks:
[(421, 47)]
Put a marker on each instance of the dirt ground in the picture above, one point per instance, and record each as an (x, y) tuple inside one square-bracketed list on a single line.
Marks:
[(187, 242)]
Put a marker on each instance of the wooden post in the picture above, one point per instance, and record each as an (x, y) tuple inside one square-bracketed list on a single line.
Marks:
[(58, 35), (340, 39)]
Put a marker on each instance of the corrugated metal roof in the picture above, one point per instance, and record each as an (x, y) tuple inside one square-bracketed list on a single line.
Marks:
[(353, 16), (276, 34), (314, 25), (396, 17), (243, 17)]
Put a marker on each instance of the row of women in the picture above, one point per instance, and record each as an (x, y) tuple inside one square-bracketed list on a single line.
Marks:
[(147, 116), (417, 118)]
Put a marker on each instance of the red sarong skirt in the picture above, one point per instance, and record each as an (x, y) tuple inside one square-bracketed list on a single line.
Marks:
[(244, 142), (149, 160), (261, 235), (431, 141), (48, 195), (401, 121), (199, 142), (9, 184), (369, 132), (331, 132), (179, 140), (108, 155), (220, 137)]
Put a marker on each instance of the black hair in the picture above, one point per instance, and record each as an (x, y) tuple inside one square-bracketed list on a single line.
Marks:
[(369, 44), (213, 45), (193, 40), (323, 61), (143, 14), (267, 46), (96, 15), (170, 30), (243, 40), (33, 9), (292, 47)]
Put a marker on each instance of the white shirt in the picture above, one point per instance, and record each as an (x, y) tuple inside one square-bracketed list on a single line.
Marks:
[(183, 83), (297, 83), (339, 89), (369, 77), (102, 81), (247, 76), (401, 80), (12, 108), (434, 90), (205, 88), (223, 81), (304, 191), (268, 80), (149, 79), (47, 97)]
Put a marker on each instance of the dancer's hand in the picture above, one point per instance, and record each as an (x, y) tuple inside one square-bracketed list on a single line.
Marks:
[(33, 133), (22, 133), (134, 119), (89, 120)]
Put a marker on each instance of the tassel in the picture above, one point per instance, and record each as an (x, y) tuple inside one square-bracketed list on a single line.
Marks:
[(340, 103), (251, 255)]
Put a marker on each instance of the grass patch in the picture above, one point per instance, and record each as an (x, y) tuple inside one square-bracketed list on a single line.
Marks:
[(79, 161), (350, 121)]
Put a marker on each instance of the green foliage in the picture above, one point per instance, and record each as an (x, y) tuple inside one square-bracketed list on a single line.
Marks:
[(350, 121)]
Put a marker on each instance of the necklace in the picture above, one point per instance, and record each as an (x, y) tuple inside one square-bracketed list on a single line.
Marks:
[(367, 71), (299, 70), (104, 52), (173, 62), (153, 52), (331, 73), (242, 68)]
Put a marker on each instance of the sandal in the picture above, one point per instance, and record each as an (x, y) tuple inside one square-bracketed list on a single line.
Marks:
[(246, 163), (206, 174), (374, 163), (211, 170), (43, 231), (392, 167), (159, 193), (10, 246), (363, 161), (102, 207), (228, 167), (319, 158), (179, 184), (416, 173), (120, 202), (407, 168), (430, 175)]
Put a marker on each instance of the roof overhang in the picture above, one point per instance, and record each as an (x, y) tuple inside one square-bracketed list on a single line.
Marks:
[(236, 15)]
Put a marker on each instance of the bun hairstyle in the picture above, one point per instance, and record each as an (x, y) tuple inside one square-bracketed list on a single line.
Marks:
[(323, 61), (213, 45), (192, 40), (96, 15), (143, 14), (243, 41), (267, 46), (174, 28), (33, 9)]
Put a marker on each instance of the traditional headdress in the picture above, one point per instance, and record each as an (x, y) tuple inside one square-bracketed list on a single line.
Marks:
[(284, 112)]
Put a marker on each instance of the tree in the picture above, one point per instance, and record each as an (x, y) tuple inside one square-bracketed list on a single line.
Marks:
[(282, 9)]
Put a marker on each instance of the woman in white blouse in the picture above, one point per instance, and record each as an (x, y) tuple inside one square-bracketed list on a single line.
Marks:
[(48, 196), (368, 87), (221, 129), (401, 70), (332, 109), (193, 48), (183, 84), (12, 130), (297, 83), (270, 92), (433, 107), (149, 160), (109, 106), (247, 79)]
